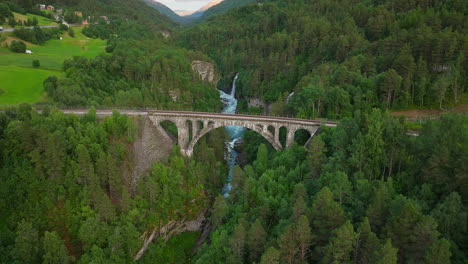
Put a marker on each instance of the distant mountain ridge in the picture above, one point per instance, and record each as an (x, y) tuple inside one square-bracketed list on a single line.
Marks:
[(225, 6), (212, 8), (168, 12), (197, 13)]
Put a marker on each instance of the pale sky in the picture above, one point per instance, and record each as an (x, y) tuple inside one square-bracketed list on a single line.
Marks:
[(184, 4)]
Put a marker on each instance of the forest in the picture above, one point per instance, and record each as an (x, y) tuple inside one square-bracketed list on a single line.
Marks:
[(340, 56), (366, 191)]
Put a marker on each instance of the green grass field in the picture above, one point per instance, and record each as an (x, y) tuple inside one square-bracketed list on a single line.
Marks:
[(22, 85), (43, 21), (20, 82), (54, 52)]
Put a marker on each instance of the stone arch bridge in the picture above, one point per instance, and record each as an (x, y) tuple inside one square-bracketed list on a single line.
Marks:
[(192, 126)]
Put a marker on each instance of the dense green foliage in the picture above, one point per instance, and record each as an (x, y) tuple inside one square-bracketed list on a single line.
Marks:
[(18, 46), (68, 189), (361, 193), (135, 10), (340, 56), (5, 13), (37, 35), (135, 75)]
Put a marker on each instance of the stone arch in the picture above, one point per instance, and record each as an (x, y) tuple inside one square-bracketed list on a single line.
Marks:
[(264, 132), (302, 136), (170, 127), (282, 134)]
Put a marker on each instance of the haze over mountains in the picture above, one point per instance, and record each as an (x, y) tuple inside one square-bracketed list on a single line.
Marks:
[(189, 16), (199, 12)]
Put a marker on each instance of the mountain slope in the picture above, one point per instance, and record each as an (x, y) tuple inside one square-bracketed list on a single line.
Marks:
[(413, 55), (130, 9), (225, 6), (167, 12), (200, 12)]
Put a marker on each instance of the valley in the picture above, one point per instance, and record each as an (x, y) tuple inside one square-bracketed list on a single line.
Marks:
[(265, 131)]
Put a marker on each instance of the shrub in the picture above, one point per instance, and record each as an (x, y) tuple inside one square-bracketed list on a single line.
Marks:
[(18, 46), (71, 32), (36, 63), (63, 27)]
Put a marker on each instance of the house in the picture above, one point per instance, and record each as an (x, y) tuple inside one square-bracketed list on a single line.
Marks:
[(105, 18), (50, 8), (57, 17), (60, 11), (42, 7), (79, 13)]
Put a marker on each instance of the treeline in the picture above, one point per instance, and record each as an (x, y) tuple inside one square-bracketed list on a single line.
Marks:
[(67, 191), (142, 70), (387, 54), (21, 7), (363, 192), (38, 35), (135, 10)]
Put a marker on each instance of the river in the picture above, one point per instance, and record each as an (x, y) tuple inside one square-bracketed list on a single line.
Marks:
[(235, 133)]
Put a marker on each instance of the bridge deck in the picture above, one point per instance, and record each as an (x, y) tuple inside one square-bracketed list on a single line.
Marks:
[(288, 120)]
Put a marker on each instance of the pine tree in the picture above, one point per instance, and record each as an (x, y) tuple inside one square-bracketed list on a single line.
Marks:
[(237, 243), (341, 246), (316, 155), (271, 256), (326, 215), (411, 231), (452, 218), (439, 252), (288, 245), (261, 163), (304, 236), (367, 244), (387, 254), (54, 249), (256, 239), (26, 248), (378, 210)]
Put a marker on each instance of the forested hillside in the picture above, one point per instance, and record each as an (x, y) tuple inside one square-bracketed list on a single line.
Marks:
[(67, 194), (363, 192), (167, 12), (341, 56), (130, 9), (225, 6), (142, 70)]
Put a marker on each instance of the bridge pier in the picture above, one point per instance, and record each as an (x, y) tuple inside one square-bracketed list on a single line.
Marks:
[(290, 137), (182, 134)]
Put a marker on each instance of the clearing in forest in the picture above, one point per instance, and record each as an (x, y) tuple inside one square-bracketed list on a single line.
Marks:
[(20, 82)]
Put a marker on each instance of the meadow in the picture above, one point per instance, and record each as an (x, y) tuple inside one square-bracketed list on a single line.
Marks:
[(23, 83), (42, 21)]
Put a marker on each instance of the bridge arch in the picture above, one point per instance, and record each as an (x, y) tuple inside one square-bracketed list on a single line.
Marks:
[(191, 127), (262, 130)]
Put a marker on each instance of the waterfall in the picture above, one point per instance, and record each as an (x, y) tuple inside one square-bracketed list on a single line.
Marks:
[(289, 97), (235, 133), (233, 90)]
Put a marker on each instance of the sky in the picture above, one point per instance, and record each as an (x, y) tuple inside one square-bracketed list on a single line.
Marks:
[(188, 5)]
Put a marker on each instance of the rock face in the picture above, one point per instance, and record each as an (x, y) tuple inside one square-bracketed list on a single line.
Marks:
[(170, 229), (206, 71), (259, 103), (153, 144)]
